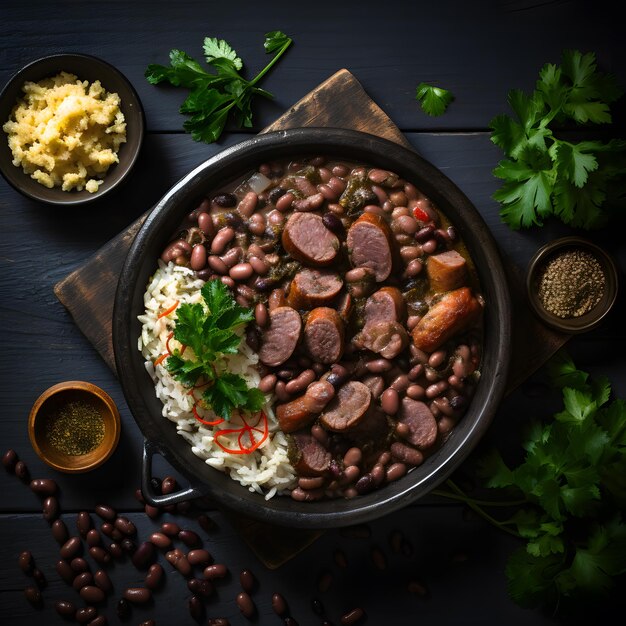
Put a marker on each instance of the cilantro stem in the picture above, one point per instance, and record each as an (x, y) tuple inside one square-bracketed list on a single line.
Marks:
[(477, 508), (269, 66)]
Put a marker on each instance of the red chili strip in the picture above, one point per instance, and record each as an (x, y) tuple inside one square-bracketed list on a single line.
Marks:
[(170, 310)]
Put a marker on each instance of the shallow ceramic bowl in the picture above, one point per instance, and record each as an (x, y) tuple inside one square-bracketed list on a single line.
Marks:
[(593, 318), (54, 398), (141, 263), (88, 68)]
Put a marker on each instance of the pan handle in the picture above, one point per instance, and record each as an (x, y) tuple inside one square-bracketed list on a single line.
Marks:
[(150, 495)]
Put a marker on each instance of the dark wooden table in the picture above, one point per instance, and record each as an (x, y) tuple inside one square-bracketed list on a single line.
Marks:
[(478, 50)]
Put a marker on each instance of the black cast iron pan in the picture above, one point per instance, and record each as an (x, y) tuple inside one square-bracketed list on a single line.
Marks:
[(141, 263)]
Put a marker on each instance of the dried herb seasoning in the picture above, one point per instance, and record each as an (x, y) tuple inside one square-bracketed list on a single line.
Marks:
[(571, 283), (75, 428)]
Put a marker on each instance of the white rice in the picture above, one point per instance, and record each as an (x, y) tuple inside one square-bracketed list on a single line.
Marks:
[(267, 470)]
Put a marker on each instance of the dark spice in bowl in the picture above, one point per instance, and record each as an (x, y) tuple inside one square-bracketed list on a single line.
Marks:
[(75, 428)]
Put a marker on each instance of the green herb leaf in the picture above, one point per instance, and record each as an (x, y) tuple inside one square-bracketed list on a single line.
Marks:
[(571, 184), (220, 94), (210, 331), (434, 100)]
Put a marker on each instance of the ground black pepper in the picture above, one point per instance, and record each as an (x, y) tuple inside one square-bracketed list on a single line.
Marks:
[(75, 428), (571, 284)]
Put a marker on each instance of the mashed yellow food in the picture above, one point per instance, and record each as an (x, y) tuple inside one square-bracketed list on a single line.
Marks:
[(65, 132)]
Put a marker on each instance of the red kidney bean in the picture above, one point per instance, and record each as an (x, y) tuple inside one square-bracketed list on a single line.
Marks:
[(406, 454), (9, 460), (232, 257), (99, 555), (205, 224), (324, 581), (247, 580), (310, 203), (352, 617), (154, 576), (413, 268), (390, 401), (313, 482), (43, 486), (415, 392), (39, 578), (189, 537), (340, 558), (33, 595), (107, 528), (337, 184), (200, 587), (407, 224), (384, 458), (102, 580), (82, 580), (365, 484), (246, 603), (415, 372), (444, 406), (160, 540), (116, 550), (429, 246), (398, 198), (432, 391), (217, 265), (411, 191), (93, 538), (445, 424), (412, 321), (241, 271), (301, 382), (199, 557), (349, 475), (381, 194), (256, 224), (377, 366), (137, 595), (65, 608), (50, 509), (267, 383), (228, 281), (92, 594), (144, 555), (400, 383), (306, 495), (196, 607), (431, 375), (101, 620), (258, 266), (248, 203), (71, 548), (424, 234), (123, 609), (395, 471), (353, 456), (398, 212), (198, 257), (22, 471), (374, 209), (178, 559), (279, 605), (223, 237), (225, 200), (79, 565), (65, 571), (319, 433), (281, 393), (285, 201), (217, 570), (26, 561), (125, 526), (378, 474), (437, 358), (171, 529), (83, 523), (410, 253), (86, 614)]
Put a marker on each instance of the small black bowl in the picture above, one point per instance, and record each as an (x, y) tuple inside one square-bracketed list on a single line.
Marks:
[(89, 68)]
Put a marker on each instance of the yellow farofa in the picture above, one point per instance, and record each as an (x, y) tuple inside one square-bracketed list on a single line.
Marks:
[(65, 132)]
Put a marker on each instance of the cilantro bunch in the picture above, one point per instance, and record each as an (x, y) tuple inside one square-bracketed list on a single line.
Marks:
[(214, 96), (569, 497), (210, 330), (545, 175)]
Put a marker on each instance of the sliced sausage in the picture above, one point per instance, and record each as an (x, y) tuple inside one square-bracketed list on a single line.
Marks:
[(301, 411), (324, 335), (456, 311), (310, 288), (446, 271), (306, 239), (388, 339), (422, 425), (343, 305), (371, 244), (386, 305), (277, 298), (280, 337), (348, 407), (307, 455)]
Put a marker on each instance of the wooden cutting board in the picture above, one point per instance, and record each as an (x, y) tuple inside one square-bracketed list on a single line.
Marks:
[(88, 293)]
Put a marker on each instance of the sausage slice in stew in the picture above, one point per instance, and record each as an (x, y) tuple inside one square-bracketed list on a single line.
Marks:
[(281, 336)]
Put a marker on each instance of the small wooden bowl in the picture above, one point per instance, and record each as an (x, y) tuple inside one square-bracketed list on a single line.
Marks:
[(593, 318), (54, 398)]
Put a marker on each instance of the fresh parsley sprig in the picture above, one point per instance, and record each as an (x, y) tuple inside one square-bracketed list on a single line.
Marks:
[(433, 100), (569, 496), (210, 330), (545, 175), (214, 96)]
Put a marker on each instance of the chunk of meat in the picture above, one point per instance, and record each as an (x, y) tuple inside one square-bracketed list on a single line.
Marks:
[(421, 422), (348, 407), (388, 339), (310, 288), (371, 245), (301, 411), (306, 239), (324, 335), (386, 305), (276, 298), (307, 455), (455, 312), (280, 337), (446, 271)]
